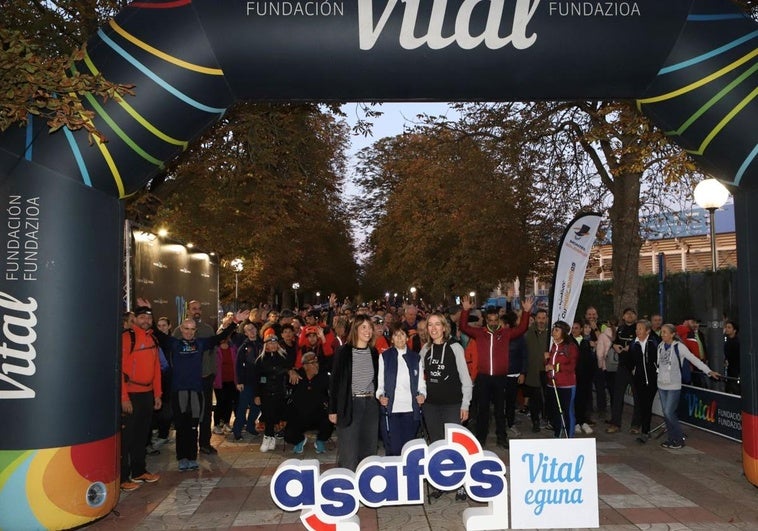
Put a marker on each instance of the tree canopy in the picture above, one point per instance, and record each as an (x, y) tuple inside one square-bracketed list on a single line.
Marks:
[(38, 43), (263, 184)]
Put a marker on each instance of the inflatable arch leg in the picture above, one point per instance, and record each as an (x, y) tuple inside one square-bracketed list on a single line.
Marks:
[(59, 378)]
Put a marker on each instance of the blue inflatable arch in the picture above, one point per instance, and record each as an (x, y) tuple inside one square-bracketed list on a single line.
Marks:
[(689, 64)]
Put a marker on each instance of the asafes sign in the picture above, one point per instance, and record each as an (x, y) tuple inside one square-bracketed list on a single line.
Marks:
[(334, 497)]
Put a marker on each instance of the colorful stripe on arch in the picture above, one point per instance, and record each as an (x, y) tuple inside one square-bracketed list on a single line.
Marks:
[(56, 488)]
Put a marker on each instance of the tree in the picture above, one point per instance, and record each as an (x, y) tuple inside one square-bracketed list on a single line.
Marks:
[(39, 42), (591, 154), (448, 214), (263, 184)]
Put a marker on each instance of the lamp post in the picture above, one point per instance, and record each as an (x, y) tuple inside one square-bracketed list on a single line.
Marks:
[(710, 194), (318, 297), (238, 265), (413, 294), (295, 287)]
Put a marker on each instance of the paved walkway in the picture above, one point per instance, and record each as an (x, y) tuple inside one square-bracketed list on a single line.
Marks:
[(640, 486)]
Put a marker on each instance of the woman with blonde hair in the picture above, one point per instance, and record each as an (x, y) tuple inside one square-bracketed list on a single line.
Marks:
[(448, 384), (270, 374), (672, 355)]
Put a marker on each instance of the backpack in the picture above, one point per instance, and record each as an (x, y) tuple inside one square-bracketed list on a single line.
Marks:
[(686, 367), (611, 360)]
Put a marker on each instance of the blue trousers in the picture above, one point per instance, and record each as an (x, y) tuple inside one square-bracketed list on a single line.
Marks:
[(241, 417), (397, 429), (669, 404), (566, 395)]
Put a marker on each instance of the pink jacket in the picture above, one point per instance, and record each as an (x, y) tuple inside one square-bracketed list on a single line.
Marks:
[(604, 342), (217, 383)]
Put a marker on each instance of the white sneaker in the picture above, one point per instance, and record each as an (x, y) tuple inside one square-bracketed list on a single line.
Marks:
[(267, 443), (578, 428), (586, 428), (218, 429), (272, 443)]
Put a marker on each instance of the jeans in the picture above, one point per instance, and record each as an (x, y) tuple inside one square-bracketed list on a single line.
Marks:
[(565, 399), (669, 404), (243, 419)]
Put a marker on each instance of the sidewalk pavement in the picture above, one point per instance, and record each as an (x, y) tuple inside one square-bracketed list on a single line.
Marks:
[(640, 486)]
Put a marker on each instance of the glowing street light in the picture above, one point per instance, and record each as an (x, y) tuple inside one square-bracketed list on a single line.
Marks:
[(238, 264), (295, 287), (711, 195)]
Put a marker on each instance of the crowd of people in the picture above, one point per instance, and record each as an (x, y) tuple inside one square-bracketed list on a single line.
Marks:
[(377, 372)]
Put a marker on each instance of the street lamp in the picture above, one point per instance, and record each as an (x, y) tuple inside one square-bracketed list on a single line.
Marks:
[(710, 194), (295, 287), (472, 296), (238, 264), (413, 293), (318, 297)]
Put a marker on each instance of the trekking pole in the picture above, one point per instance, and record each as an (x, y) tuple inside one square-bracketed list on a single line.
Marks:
[(387, 442), (560, 408), (558, 403)]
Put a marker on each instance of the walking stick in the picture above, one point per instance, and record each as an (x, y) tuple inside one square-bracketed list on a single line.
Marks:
[(560, 408), (558, 403), (387, 442)]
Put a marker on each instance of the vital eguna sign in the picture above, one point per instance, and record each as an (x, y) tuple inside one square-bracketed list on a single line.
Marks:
[(331, 500)]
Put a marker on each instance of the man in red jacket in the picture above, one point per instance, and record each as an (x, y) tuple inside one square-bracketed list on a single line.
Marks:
[(493, 344), (140, 394)]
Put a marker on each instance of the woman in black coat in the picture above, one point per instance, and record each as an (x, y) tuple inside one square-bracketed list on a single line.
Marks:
[(352, 403)]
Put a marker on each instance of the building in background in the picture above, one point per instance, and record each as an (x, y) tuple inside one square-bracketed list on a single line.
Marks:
[(682, 237)]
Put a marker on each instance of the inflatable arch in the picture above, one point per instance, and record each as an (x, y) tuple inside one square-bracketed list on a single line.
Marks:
[(690, 65)]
